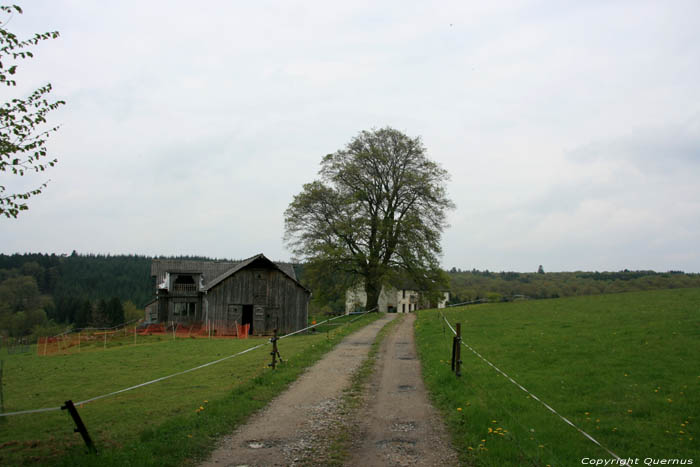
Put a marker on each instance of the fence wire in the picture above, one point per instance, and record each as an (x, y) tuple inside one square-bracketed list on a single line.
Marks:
[(163, 378), (547, 406)]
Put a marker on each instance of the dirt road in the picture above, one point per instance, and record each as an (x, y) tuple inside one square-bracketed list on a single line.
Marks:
[(285, 432), (398, 426)]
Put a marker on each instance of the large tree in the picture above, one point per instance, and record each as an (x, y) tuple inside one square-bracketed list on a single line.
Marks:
[(23, 133), (378, 210)]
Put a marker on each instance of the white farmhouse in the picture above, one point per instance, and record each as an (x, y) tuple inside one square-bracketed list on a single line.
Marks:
[(392, 299)]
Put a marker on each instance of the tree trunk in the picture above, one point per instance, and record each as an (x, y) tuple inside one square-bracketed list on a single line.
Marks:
[(372, 289)]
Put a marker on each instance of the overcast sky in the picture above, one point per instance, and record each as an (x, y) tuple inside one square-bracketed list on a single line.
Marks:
[(571, 130)]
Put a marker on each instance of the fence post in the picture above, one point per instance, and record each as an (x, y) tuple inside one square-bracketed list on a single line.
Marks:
[(458, 350), (275, 352), (2, 399), (80, 426)]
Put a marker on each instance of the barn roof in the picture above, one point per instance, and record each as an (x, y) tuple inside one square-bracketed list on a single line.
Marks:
[(211, 271), (285, 268)]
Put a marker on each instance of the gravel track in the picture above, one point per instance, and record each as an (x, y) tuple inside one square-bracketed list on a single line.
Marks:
[(287, 430), (395, 425)]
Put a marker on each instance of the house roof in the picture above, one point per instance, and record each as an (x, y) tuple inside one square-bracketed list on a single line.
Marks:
[(213, 272)]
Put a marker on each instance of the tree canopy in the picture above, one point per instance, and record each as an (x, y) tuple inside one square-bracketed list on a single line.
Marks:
[(22, 132), (378, 210)]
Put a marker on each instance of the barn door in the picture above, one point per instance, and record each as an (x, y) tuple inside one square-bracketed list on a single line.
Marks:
[(234, 315), (259, 319)]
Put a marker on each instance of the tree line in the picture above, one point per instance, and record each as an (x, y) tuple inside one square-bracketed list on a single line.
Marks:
[(42, 294), (474, 284)]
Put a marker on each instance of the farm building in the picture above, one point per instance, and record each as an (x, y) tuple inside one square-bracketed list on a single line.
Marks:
[(401, 298), (223, 294)]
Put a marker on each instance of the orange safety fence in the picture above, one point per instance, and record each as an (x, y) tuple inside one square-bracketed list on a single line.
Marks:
[(205, 329)]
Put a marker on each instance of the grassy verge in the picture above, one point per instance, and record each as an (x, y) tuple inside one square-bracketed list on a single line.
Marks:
[(166, 423), (622, 367)]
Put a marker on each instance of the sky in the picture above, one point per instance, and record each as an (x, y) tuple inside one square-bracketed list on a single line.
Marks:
[(571, 130)]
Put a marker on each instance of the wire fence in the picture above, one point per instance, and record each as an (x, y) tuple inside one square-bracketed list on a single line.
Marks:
[(533, 396), (163, 378), (512, 298)]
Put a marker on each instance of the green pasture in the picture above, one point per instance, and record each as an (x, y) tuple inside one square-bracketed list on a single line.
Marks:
[(625, 368), (167, 423)]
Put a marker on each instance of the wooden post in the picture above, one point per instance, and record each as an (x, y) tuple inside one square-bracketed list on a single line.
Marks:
[(134, 335), (46, 341), (275, 352), (2, 399), (80, 426), (78, 341), (105, 340), (452, 357), (458, 350)]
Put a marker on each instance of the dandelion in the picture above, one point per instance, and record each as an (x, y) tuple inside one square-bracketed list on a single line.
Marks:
[(587, 413), (490, 430), (189, 436), (493, 421), (541, 446), (669, 400), (201, 408), (459, 409), (470, 448), (629, 410), (206, 401)]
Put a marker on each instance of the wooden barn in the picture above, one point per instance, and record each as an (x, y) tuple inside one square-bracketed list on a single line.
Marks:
[(255, 291)]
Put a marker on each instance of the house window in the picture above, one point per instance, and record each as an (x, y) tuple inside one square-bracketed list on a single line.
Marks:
[(183, 311), (403, 308), (184, 284)]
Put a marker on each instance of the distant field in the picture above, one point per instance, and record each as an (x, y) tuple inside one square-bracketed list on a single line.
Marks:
[(625, 368), (161, 424)]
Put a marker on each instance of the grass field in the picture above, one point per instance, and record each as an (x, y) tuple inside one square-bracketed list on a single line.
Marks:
[(166, 423), (624, 368)]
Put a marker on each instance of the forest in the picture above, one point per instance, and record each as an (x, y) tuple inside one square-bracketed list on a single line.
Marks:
[(44, 294)]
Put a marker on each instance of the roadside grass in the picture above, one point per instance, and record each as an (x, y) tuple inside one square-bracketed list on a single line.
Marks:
[(624, 368), (167, 423)]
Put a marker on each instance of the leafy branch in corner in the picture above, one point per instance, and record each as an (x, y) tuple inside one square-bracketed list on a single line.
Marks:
[(23, 134)]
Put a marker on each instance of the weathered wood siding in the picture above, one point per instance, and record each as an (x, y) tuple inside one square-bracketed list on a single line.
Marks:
[(277, 300)]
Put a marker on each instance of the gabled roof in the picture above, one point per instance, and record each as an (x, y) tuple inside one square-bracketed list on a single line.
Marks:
[(247, 262), (210, 270)]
